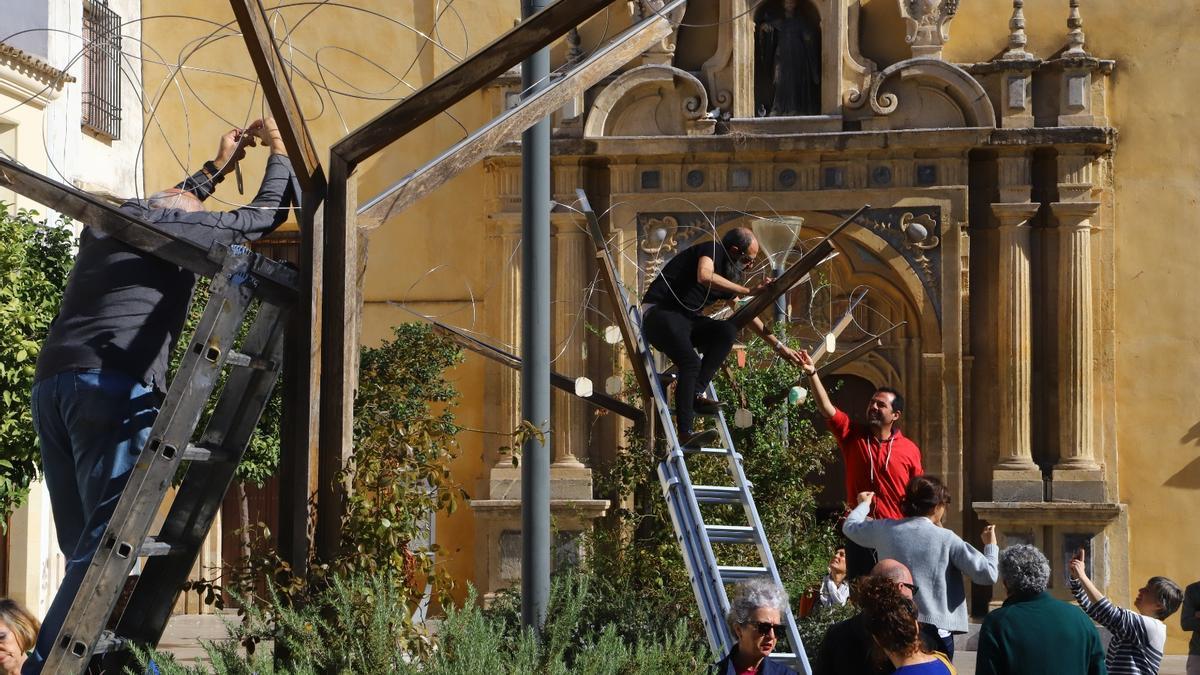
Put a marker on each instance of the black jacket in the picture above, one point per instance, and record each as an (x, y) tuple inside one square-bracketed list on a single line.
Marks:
[(725, 667), (849, 650)]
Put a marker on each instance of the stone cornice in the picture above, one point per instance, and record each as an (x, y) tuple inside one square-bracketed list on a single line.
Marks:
[(1097, 140), (28, 78), (1049, 512)]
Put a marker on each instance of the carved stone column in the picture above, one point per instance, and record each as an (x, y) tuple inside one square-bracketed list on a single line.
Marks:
[(1077, 474), (570, 415), (1015, 477)]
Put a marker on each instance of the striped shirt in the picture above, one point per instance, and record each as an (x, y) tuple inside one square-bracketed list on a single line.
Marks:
[(1137, 641)]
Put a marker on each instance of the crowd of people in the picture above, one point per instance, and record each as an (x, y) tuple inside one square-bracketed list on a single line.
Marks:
[(912, 602)]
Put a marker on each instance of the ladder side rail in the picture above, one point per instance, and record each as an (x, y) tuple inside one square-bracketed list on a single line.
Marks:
[(205, 484), (737, 471), (155, 467)]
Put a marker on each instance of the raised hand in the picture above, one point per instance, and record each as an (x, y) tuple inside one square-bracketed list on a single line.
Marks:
[(989, 535)]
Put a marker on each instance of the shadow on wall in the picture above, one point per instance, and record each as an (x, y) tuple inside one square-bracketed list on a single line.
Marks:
[(1189, 476)]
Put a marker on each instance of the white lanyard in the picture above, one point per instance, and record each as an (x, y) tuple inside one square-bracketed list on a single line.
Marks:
[(871, 454)]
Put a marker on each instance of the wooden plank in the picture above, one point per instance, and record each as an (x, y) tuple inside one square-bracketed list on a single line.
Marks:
[(278, 282), (277, 88), (466, 78), (838, 328), (300, 425), (339, 357), (859, 351), (528, 112), (612, 281), (509, 359), (759, 303)]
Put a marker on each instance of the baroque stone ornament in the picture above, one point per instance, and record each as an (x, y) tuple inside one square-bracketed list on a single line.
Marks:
[(928, 24)]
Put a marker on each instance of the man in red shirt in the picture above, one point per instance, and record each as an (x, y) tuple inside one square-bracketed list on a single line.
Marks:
[(877, 456)]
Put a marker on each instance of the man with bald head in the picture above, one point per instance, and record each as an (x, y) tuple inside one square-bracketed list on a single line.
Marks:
[(102, 371), (674, 323), (848, 648)]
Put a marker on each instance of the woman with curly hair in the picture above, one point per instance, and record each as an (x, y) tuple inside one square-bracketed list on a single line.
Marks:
[(891, 619), (937, 556)]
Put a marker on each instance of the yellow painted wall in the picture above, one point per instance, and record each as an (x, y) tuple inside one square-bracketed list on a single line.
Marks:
[(433, 254), (1158, 326)]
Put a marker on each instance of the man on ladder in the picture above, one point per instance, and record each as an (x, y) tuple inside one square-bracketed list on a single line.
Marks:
[(672, 321), (102, 371)]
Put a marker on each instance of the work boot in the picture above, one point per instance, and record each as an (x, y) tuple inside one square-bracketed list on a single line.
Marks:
[(699, 439), (704, 405)]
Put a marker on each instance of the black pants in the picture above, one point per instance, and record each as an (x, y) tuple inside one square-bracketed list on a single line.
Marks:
[(680, 336)]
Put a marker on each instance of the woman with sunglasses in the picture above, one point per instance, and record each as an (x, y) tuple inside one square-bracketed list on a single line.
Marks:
[(937, 556), (756, 619), (891, 619)]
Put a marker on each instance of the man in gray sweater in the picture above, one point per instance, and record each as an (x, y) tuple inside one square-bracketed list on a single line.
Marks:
[(102, 371)]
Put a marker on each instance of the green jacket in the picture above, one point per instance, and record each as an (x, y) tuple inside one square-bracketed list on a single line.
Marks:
[(1038, 635)]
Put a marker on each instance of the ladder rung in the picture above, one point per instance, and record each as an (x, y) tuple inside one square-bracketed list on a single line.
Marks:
[(706, 451), (731, 534), (200, 453), (781, 656), (732, 574), (153, 547), (246, 361), (717, 494)]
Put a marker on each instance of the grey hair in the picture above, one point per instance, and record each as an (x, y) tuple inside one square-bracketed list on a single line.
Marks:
[(1024, 569), (752, 594), (174, 199)]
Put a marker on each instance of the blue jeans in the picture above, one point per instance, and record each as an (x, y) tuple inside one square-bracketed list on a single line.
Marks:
[(91, 426)]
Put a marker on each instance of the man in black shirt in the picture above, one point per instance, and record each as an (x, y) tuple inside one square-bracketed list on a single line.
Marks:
[(695, 278), (102, 371)]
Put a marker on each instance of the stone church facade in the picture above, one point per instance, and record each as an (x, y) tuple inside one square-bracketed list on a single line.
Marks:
[(1008, 354)]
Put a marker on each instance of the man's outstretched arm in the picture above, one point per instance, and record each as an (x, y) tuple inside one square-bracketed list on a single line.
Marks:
[(824, 405)]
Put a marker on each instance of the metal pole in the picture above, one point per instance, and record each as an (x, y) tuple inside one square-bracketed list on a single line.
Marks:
[(782, 321), (535, 344)]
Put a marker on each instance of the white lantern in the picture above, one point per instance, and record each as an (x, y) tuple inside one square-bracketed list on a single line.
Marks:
[(614, 384), (583, 387), (612, 335), (743, 418)]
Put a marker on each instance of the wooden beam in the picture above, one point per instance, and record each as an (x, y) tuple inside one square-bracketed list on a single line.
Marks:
[(859, 351), (529, 111), (300, 424), (466, 78), (612, 280), (759, 303), (510, 360), (277, 88), (339, 352), (842, 324), (279, 282)]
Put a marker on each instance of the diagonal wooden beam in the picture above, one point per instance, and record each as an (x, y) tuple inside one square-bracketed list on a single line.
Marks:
[(859, 351), (609, 273), (466, 78), (101, 216), (466, 153), (510, 360), (277, 88), (759, 303)]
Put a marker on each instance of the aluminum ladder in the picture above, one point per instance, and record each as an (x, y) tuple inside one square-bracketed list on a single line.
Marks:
[(254, 368), (684, 499)]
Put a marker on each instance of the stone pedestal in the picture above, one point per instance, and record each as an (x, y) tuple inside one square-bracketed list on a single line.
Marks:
[(1077, 475), (498, 537), (1015, 477), (1058, 529)]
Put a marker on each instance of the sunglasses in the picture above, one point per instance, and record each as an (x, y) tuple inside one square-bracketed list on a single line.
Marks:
[(765, 627), (910, 587)]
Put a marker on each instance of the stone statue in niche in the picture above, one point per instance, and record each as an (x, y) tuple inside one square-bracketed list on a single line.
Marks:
[(787, 65)]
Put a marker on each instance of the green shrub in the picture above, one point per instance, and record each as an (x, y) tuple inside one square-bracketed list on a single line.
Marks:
[(35, 259)]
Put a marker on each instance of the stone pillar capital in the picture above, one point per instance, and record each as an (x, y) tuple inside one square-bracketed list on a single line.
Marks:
[(1074, 215), (1014, 214)]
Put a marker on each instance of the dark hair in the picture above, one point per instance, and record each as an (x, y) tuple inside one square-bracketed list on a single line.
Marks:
[(890, 618), (1169, 594), (922, 495), (897, 399), (739, 237)]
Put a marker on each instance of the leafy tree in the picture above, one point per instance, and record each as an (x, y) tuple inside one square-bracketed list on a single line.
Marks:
[(35, 259)]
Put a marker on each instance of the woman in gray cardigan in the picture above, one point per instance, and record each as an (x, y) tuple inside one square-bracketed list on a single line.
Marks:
[(937, 556)]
